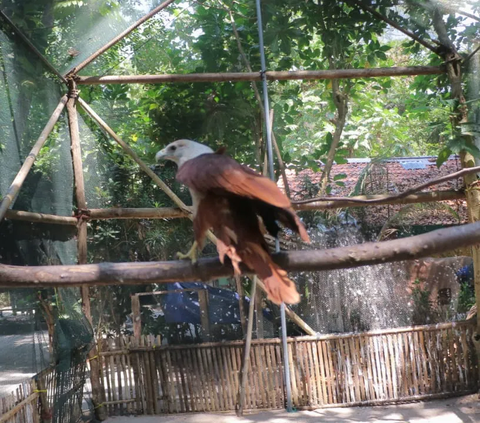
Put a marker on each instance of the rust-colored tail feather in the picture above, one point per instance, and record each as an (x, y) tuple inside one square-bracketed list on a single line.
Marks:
[(239, 237), (279, 287), (277, 284)]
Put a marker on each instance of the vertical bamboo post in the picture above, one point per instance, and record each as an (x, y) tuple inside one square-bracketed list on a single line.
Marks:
[(136, 318), (45, 411), (259, 314), (241, 303), (97, 390), (246, 351), (204, 315)]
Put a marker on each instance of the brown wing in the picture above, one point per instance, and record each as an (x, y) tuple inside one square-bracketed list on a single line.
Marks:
[(220, 173), (236, 226)]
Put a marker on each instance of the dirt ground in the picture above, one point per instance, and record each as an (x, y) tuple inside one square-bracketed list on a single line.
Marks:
[(456, 410)]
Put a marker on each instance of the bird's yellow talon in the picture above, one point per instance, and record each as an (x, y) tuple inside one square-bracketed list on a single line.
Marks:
[(192, 254)]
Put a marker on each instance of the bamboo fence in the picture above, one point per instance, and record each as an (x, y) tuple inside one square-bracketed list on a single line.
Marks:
[(21, 406), (331, 370), (38, 400)]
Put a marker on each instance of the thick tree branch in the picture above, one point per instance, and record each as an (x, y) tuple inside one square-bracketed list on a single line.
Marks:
[(175, 213), (454, 72), (408, 192), (410, 248), (341, 103), (378, 200)]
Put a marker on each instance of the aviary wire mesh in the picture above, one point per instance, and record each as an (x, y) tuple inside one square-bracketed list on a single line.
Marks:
[(67, 32)]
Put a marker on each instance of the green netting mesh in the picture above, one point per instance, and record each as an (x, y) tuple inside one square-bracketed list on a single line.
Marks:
[(28, 96), (70, 31)]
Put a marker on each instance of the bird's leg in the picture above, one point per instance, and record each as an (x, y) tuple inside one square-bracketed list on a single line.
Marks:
[(192, 254)]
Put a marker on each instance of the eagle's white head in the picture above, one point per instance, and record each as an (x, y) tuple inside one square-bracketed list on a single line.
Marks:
[(180, 151)]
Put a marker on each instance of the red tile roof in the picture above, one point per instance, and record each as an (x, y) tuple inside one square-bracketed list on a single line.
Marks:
[(391, 176)]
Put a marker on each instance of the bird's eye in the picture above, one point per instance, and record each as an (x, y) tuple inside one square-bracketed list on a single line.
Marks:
[(173, 148)]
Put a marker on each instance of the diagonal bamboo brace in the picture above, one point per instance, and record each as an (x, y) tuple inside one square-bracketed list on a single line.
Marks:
[(17, 183)]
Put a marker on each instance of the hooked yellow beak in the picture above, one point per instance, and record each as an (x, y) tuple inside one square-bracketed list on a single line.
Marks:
[(161, 155)]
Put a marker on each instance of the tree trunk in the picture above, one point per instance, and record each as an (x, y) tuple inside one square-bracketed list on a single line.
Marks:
[(340, 99), (472, 191)]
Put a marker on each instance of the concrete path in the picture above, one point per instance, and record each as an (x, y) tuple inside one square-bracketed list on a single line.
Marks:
[(455, 410), (19, 361)]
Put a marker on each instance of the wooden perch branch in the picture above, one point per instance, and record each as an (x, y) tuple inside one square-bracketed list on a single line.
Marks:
[(28, 163), (328, 203), (176, 213), (410, 248), (256, 76), (402, 195)]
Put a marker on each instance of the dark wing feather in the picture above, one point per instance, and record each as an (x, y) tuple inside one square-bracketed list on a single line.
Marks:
[(220, 173)]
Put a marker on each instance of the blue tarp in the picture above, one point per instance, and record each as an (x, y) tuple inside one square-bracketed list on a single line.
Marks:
[(466, 275), (183, 307)]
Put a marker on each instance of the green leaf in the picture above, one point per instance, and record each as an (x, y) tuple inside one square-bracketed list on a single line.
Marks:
[(443, 156)]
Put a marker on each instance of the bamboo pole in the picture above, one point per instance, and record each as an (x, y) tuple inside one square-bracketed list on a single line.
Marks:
[(294, 317), (175, 213), (397, 26), (142, 165), (321, 337), (246, 350), (179, 203), (27, 164), (119, 37), (259, 329), (136, 318), (204, 314), (97, 389), (370, 253), (40, 218), (9, 415), (256, 76), (30, 45), (241, 303), (136, 213)]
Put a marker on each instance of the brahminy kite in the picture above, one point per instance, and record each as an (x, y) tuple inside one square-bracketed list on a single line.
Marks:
[(229, 199)]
